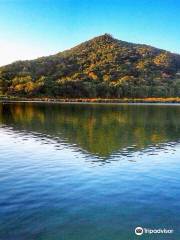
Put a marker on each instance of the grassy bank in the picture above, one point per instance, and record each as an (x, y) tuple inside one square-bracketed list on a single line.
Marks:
[(92, 100)]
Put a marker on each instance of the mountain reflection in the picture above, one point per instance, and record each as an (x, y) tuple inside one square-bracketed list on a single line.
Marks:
[(97, 129)]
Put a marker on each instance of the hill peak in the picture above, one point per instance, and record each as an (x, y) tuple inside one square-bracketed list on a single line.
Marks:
[(108, 38)]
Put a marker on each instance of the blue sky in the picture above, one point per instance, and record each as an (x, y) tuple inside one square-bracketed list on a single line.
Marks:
[(33, 28)]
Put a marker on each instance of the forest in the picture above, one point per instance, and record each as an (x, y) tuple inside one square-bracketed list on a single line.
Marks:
[(102, 67)]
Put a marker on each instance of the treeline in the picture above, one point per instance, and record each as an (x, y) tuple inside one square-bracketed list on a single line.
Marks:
[(89, 89)]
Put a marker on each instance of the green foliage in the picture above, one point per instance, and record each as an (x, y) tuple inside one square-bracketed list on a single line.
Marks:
[(102, 67)]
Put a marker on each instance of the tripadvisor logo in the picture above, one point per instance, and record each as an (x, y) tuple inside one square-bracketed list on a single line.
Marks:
[(139, 231)]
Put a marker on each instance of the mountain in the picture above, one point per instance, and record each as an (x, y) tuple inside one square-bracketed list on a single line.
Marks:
[(101, 67)]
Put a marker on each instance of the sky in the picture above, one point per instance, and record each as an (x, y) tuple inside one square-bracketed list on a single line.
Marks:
[(35, 28)]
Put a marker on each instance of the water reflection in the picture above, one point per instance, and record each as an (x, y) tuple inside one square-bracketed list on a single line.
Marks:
[(55, 180), (102, 130)]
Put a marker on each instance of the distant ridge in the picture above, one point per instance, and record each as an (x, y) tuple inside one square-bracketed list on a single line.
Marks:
[(101, 67)]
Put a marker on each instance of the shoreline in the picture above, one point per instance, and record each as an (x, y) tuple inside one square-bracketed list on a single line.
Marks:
[(94, 100)]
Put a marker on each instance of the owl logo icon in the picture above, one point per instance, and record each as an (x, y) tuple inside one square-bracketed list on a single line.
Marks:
[(139, 231)]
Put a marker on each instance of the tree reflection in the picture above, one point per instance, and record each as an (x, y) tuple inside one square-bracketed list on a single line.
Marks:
[(98, 129)]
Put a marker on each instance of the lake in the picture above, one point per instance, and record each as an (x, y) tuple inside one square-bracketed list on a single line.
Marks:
[(89, 171)]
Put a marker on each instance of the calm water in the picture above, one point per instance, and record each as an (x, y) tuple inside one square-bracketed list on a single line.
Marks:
[(88, 172)]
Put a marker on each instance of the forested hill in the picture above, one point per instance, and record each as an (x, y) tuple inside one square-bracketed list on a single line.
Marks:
[(102, 67)]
